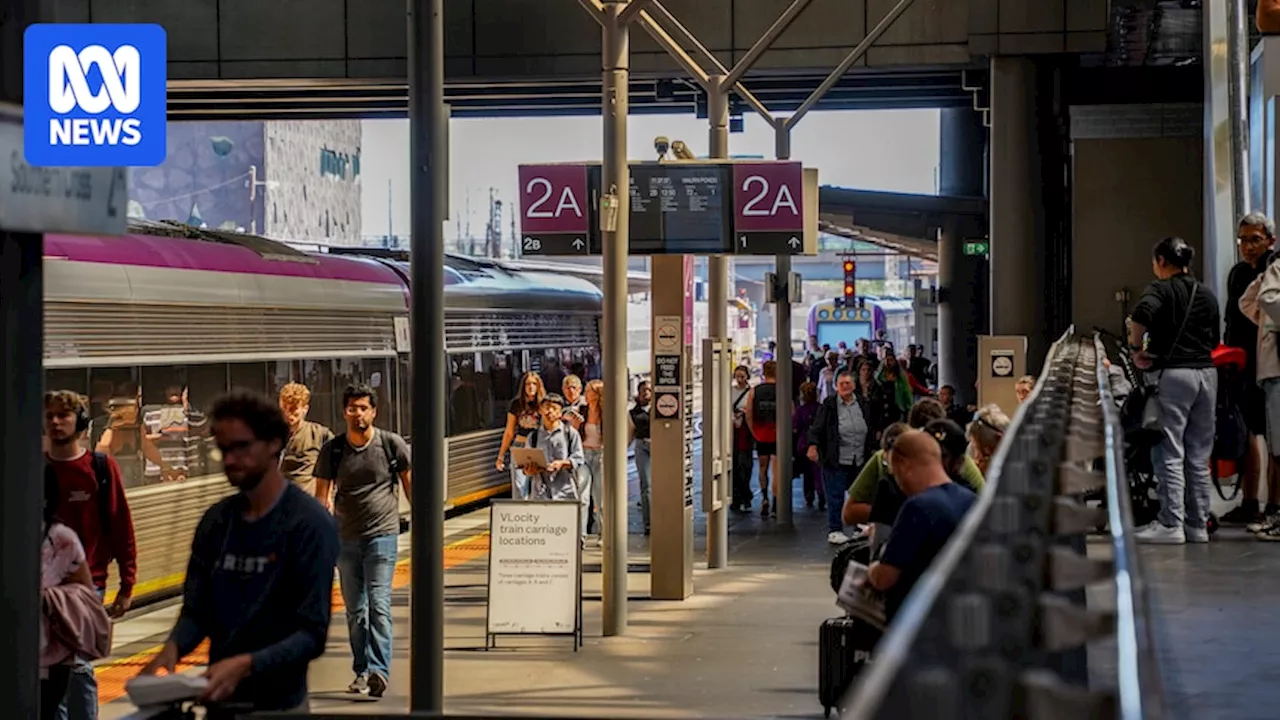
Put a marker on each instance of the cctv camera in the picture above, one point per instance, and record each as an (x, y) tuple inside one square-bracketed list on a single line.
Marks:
[(662, 145), (682, 151)]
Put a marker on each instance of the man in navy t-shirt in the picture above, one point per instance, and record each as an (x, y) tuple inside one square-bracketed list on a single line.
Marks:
[(933, 510)]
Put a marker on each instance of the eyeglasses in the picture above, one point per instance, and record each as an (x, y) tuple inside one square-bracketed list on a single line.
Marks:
[(1252, 239)]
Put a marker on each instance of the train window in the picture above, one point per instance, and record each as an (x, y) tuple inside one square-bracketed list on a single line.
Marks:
[(281, 373), (73, 379), (552, 370), (404, 400), (373, 371), (250, 377), (163, 384), (468, 393), (317, 375), (504, 381)]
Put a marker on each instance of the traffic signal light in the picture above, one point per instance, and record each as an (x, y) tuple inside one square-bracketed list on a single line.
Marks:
[(850, 279)]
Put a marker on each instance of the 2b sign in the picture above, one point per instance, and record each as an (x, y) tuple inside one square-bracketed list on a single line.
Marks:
[(94, 95)]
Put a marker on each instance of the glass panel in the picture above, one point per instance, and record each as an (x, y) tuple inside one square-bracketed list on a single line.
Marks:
[(249, 377), (116, 428), (404, 393), (346, 372), (553, 370), (374, 373), (281, 373), (317, 375), (504, 377), (481, 386), (73, 379)]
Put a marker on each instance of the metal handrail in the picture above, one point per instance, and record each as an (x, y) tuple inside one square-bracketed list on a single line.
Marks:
[(1139, 686), (894, 649)]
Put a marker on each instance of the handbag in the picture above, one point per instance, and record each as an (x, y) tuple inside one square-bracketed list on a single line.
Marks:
[(1142, 414)]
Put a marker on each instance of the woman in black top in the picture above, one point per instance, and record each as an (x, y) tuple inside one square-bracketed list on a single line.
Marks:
[(1179, 317)]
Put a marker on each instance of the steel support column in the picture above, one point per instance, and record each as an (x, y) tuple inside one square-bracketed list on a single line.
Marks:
[(718, 292), (615, 180), (21, 415), (428, 123), (782, 319)]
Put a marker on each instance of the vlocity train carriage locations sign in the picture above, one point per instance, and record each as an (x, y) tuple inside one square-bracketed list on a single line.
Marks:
[(684, 207)]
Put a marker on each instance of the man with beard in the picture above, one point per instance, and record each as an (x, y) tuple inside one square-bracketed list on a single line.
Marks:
[(365, 463), (261, 571), (91, 501)]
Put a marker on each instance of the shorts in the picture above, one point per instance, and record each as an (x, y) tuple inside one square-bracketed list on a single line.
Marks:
[(1253, 407), (766, 449), (1271, 390)]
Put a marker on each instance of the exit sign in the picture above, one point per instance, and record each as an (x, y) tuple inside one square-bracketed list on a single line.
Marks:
[(977, 247)]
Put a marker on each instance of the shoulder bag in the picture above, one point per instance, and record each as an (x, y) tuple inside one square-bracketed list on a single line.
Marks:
[(1142, 413)]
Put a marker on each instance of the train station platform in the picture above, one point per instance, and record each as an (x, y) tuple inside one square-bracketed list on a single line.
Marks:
[(745, 643)]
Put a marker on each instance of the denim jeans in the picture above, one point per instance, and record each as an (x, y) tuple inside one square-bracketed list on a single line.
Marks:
[(642, 470), (1187, 411), (594, 469), (365, 571), (835, 483), (520, 483), (81, 700)]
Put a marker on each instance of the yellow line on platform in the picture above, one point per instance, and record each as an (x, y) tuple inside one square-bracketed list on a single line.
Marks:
[(112, 675)]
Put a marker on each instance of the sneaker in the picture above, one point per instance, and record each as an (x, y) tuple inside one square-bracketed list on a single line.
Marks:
[(1246, 513), (377, 685), (1156, 534), (836, 537), (359, 686), (1271, 534), (1269, 520), (1196, 534)]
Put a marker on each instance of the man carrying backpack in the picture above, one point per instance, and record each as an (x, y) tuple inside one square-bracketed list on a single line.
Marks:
[(92, 503), (364, 464)]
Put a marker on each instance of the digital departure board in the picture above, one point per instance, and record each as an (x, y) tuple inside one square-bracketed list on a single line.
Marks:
[(679, 209)]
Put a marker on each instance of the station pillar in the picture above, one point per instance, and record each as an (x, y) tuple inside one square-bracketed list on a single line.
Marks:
[(671, 431), (963, 279), (1016, 203)]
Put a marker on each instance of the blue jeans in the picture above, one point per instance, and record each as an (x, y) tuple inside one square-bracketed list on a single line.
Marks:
[(1188, 402), (642, 469), (520, 483), (835, 482), (594, 469), (365, 571), (81, 701)]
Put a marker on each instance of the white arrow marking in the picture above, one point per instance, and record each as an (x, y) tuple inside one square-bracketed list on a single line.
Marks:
[(577, 243), (794, 241)]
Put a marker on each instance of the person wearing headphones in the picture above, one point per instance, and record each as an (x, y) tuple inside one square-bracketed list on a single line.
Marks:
[(92, 503)]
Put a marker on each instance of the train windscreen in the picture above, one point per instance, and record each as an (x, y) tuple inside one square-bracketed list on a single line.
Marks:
[(834, 333)]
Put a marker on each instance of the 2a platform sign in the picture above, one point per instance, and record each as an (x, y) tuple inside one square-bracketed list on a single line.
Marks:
[(768, 202), (713, 207), (555, 211)]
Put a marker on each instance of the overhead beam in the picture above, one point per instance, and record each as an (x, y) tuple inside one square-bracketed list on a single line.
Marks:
[(766, 40)]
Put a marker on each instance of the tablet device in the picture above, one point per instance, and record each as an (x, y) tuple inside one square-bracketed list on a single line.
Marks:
[(522, 456)]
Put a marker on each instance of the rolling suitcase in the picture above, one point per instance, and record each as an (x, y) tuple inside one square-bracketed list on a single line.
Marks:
[(844, 648)]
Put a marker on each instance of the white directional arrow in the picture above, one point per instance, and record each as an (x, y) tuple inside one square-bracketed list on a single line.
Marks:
[(577, 243), (794, 241)]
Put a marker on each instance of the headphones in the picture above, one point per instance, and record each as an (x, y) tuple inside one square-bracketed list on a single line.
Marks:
[(82, 420)]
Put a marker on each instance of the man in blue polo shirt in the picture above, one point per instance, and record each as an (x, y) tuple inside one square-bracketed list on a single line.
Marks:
[(934, 508)]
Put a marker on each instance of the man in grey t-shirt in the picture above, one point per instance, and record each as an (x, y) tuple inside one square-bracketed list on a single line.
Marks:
[(365, 463)]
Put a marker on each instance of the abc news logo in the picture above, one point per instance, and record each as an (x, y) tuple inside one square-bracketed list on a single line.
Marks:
[(94, 95), (121, 90)]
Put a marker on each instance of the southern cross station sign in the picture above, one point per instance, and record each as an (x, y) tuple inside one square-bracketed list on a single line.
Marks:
[(696, 208)]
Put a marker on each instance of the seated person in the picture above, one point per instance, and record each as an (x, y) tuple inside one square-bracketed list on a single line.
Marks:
[(890, 498), (934, 509), (875, 473), (563, 449)]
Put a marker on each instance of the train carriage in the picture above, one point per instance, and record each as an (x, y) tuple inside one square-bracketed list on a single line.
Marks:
[(152, 327)]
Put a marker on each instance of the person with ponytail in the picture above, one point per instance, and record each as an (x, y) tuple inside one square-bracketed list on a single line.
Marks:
[(1173, 331)]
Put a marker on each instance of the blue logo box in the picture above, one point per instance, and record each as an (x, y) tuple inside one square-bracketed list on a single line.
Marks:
[(94, 95)]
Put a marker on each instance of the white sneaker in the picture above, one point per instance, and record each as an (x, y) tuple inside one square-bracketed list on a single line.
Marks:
[(837, 538), (1156, 534), (1196, 535)]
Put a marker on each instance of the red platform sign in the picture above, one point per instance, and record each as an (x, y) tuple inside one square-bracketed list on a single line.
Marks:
[(768, 197), (553, 199)]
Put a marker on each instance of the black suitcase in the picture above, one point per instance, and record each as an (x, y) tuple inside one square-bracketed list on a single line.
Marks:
[(844, 648)]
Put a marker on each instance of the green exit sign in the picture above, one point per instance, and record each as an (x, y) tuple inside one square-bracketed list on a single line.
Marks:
[(977, 247)]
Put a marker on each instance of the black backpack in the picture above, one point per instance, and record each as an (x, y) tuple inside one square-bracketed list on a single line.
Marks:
[(102, 472), (338, 447)]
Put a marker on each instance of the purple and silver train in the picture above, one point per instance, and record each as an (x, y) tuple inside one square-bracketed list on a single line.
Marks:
[(154, 325), (832, 325)]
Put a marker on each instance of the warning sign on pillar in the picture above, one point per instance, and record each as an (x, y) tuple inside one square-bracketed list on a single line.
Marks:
[(667, 405), (666, 333)]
